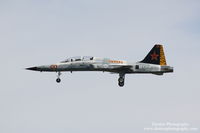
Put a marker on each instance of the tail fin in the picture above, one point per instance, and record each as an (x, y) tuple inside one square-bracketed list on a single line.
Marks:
[(156, 56)]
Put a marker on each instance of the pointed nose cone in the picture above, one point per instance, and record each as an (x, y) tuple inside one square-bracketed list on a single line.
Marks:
[(32, 68)]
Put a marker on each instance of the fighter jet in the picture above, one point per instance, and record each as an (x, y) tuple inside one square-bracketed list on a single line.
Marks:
[(153, 63)]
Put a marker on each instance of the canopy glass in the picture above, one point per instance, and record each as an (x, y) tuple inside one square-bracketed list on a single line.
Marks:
[(78, 58)]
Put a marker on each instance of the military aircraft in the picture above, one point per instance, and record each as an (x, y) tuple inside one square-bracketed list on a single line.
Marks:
[(153, 63)]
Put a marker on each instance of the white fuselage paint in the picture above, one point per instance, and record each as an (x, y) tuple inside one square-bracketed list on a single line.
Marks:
[(105, 64)]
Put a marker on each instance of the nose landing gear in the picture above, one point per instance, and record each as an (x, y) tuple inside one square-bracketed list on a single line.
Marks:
[(121, 79), (58, 80)]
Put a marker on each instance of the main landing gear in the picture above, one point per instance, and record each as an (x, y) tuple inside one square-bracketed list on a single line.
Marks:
[(58, 80), (121, 79)]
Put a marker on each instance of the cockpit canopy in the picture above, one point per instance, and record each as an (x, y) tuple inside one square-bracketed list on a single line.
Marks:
[(78, 58)]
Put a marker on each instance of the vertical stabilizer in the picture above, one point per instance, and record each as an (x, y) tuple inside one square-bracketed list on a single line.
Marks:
[(156, 56)]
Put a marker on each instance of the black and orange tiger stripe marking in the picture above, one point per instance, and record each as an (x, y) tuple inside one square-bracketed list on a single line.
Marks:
[(156, 56)]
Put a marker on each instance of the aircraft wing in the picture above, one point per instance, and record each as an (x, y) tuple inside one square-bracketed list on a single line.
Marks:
[(120, 68)]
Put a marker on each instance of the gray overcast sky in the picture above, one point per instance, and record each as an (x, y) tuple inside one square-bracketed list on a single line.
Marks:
[(40, 32)]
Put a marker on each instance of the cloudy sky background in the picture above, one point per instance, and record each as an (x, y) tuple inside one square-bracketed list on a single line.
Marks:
[(44, 32)]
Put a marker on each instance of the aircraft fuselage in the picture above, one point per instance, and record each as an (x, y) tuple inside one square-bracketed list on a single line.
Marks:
[(153, 63)]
